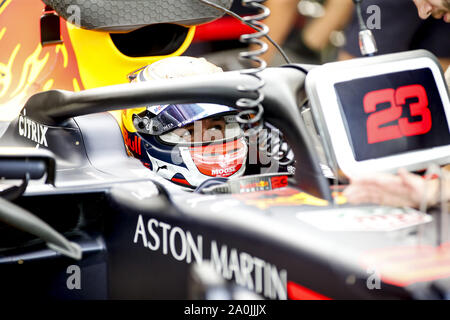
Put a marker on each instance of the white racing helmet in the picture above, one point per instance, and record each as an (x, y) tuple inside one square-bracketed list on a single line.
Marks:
[(185, 143)]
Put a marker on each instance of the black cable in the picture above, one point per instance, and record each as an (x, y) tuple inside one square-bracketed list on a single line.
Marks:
[(362, 25), (251, 114), (23, 220), (234, 15)]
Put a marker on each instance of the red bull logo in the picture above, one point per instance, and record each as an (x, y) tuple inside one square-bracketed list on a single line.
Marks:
[(133, 142)]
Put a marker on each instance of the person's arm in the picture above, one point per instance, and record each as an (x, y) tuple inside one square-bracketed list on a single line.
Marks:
[(282, 17), (317, 34), (337, 15), (405, 189)]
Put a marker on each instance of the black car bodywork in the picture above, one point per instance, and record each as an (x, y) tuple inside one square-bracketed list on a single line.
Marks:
[(99, 225)]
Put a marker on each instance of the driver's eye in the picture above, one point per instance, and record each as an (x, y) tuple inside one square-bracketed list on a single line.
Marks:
[(216, 127), (187, 134)]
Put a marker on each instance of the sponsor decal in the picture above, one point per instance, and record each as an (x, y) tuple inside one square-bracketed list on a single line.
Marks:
[(223, 171), (133, 142), (246, 270), (262, 184), (364, 219), (220, 160), (32, 130), (147, 165), (167, 127), (157, 109), (279, 182), (255, 186)]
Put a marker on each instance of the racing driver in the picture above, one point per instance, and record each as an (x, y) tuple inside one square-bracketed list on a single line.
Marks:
[(189, 143)]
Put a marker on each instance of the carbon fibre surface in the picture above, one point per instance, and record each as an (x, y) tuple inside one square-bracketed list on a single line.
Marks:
[(110, 15)]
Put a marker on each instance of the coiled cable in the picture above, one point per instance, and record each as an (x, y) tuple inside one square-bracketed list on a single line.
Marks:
[(251, 116), (251, 112)]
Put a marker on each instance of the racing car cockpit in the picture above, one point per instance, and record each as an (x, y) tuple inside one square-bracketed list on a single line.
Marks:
[(279, 235)]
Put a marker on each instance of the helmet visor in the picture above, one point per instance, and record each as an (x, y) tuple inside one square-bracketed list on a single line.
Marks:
[(212, 130), (162, 119)]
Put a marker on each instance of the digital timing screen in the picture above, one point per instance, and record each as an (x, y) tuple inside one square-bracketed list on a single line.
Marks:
[(392, 113)]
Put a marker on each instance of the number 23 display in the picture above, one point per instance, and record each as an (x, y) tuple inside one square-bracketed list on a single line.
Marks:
[(392, 113)]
